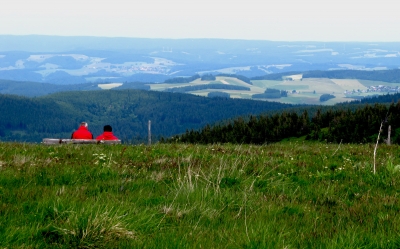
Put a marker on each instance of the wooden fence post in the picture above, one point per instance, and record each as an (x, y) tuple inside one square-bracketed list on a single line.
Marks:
[(149, 128), (388, 138)]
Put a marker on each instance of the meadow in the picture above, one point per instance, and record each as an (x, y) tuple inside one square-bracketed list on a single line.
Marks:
[(307, 90), (292, 194)]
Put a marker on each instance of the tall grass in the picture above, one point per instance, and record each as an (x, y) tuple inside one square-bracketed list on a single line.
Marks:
[(285, 195)]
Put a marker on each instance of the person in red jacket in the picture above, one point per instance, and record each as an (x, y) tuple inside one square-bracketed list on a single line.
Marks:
[(107, 134), (82, 132)]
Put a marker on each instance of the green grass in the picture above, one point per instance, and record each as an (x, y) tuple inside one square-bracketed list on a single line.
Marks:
[(266, 83), (293, 194), (291, 87)]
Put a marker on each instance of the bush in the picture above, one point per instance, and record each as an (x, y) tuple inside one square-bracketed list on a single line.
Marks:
[(325, 97)]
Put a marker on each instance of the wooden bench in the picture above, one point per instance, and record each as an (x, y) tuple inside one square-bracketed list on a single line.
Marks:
[(78, 141)]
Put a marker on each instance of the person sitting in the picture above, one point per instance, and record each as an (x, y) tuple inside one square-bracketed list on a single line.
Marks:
[(82, 132), (107, 134)]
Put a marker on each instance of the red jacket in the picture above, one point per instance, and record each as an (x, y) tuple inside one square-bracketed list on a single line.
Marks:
[(107, 135), (82, 133)]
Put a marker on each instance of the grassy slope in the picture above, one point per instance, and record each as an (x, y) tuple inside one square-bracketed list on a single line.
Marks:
[(285, 195)]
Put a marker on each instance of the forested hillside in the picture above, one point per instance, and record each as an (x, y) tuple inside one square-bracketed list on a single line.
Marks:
[(33, 89), (36, 89), (127, 111), (392, 76), (350, 123)]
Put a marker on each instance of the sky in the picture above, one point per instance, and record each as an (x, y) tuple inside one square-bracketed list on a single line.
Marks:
[(278, 20)]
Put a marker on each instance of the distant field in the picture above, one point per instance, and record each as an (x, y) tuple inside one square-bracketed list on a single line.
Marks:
[(266, 83), (109, 86), (234, 81), (291, 87), (322, 85), (349, 84), (218, 82), (163, 86), (307, 90), (294, 77)]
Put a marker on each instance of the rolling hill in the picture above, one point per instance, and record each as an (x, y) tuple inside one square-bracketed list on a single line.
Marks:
[(128, 111)]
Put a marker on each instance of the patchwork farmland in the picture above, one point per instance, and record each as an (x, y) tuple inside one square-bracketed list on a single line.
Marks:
[(299, 90)]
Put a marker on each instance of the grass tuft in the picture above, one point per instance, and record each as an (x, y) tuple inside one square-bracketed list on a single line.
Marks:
[(87, 228)]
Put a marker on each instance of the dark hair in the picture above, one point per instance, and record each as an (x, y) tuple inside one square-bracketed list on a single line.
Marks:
[(107, 128)]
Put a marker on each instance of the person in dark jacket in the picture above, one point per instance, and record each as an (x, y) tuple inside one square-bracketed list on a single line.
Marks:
[(82, 132), (107, 134)]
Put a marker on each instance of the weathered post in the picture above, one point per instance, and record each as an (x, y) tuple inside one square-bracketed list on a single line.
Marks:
[(149, 128), (388, 138)]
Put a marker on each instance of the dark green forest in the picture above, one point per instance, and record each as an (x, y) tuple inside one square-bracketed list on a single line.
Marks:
[(270, 94), (218, 95), (326, 97), (350, 123), (184, 89), (36, 89), (197, 119), (391, 76), (182, 79), (127, 111)]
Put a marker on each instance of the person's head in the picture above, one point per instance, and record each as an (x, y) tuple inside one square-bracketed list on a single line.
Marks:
[(84, 124), (107, 128)]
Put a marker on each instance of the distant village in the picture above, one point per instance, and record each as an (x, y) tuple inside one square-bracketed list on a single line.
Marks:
[(379, 88)]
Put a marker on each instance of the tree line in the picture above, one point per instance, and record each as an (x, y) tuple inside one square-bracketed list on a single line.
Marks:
[(391, 76), (359, 125), (185, 89), (270, 93)]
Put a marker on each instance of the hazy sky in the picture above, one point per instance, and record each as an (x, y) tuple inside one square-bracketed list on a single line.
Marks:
[(278, 20)]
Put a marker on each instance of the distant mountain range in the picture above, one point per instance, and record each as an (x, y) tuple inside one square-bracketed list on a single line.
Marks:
[(75, 60)]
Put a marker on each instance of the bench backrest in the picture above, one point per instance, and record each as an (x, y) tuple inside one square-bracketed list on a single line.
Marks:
[(78, 141)]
